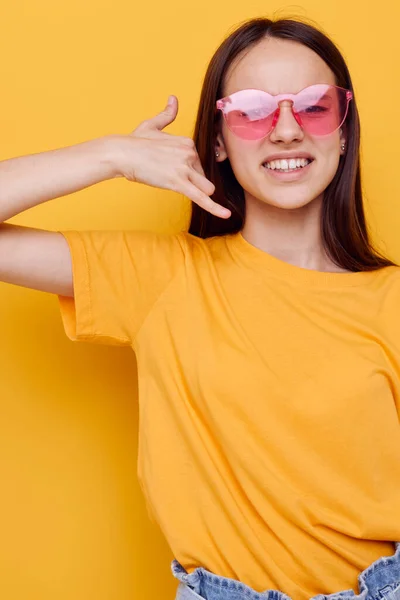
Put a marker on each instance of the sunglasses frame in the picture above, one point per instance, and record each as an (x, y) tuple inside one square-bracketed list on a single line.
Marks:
[(222, 102)]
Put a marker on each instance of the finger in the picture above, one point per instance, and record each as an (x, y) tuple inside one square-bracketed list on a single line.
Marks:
[(165, 117), (198, 166), (201, 182), (192, 192)]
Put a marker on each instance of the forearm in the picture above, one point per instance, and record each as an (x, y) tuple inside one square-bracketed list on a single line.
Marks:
[(27, 181)]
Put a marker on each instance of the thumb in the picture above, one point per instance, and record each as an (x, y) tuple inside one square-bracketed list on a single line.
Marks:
[(168, 115)]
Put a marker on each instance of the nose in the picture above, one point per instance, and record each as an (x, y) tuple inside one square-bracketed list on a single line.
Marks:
[(286, 128)]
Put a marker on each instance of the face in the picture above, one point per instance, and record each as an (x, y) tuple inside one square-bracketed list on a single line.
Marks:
[(277, 66)]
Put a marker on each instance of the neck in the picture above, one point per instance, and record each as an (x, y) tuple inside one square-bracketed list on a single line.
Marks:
[(291, 235)]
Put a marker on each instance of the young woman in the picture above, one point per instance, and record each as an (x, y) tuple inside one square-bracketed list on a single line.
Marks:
[(267, 337)]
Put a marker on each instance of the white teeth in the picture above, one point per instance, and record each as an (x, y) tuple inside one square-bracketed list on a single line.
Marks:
[(292, 163)]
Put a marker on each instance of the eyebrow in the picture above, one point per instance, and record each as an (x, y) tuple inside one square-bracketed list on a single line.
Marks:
[(285, 92)]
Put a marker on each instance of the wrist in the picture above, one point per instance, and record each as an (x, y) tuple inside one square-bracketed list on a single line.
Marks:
[(112, 154)]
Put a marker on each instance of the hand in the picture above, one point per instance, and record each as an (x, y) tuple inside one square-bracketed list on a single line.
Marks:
[(171, 162)]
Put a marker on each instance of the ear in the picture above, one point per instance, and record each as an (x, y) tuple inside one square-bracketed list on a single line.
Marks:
[(220, 148)]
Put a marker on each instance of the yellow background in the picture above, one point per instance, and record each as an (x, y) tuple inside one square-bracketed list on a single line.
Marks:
[(73, 522)]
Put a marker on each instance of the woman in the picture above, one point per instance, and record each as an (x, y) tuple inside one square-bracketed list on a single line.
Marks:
[(267, 338)]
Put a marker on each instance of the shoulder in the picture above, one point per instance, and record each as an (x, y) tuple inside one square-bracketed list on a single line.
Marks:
[(181, 248), (150, 243), (385, 286), (386, 279), (212, 246)]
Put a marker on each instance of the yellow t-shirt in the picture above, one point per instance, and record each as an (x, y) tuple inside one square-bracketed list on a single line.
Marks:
[(269, 436)]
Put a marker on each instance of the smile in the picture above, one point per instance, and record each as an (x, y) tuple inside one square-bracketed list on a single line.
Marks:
[(289, 174)]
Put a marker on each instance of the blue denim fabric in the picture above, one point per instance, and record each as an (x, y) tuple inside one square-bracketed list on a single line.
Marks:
[(379, 581)]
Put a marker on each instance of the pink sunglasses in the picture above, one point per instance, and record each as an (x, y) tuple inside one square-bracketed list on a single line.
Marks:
[(319, 109)]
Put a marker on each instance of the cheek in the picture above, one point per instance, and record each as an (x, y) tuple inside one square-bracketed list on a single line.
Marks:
[(244, 165), (242, 154), (240, 150), (328, 165), (329, 151)]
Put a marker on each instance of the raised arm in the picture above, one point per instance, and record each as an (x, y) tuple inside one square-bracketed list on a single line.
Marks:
[(41, 259)]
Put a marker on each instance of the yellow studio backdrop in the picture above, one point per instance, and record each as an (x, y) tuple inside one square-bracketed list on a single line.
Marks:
[(73, 521)]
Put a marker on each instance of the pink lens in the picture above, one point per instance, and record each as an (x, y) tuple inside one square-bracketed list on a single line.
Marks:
[(319, 109)]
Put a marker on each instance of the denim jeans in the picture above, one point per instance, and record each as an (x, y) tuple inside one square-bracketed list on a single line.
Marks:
[(379, 581)]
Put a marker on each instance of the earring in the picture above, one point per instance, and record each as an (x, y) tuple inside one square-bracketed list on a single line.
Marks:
[(343, 145), (217, 154)]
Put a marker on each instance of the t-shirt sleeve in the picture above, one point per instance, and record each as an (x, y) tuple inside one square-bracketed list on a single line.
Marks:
[(118, 277)]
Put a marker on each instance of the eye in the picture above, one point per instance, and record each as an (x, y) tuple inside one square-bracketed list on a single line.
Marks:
[(315, 109)]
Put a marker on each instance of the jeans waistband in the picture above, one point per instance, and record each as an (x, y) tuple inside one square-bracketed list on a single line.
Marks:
[(379, 581)]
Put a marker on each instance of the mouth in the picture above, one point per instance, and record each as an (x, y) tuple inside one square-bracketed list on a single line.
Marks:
[(289, 174)]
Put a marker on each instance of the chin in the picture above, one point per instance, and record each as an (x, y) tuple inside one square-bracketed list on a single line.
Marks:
[(288, 203)]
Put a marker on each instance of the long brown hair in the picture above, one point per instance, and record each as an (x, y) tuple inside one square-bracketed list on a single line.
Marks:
[(343, 227)]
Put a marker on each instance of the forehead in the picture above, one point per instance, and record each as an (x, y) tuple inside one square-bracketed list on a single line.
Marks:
[(277, 66)]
